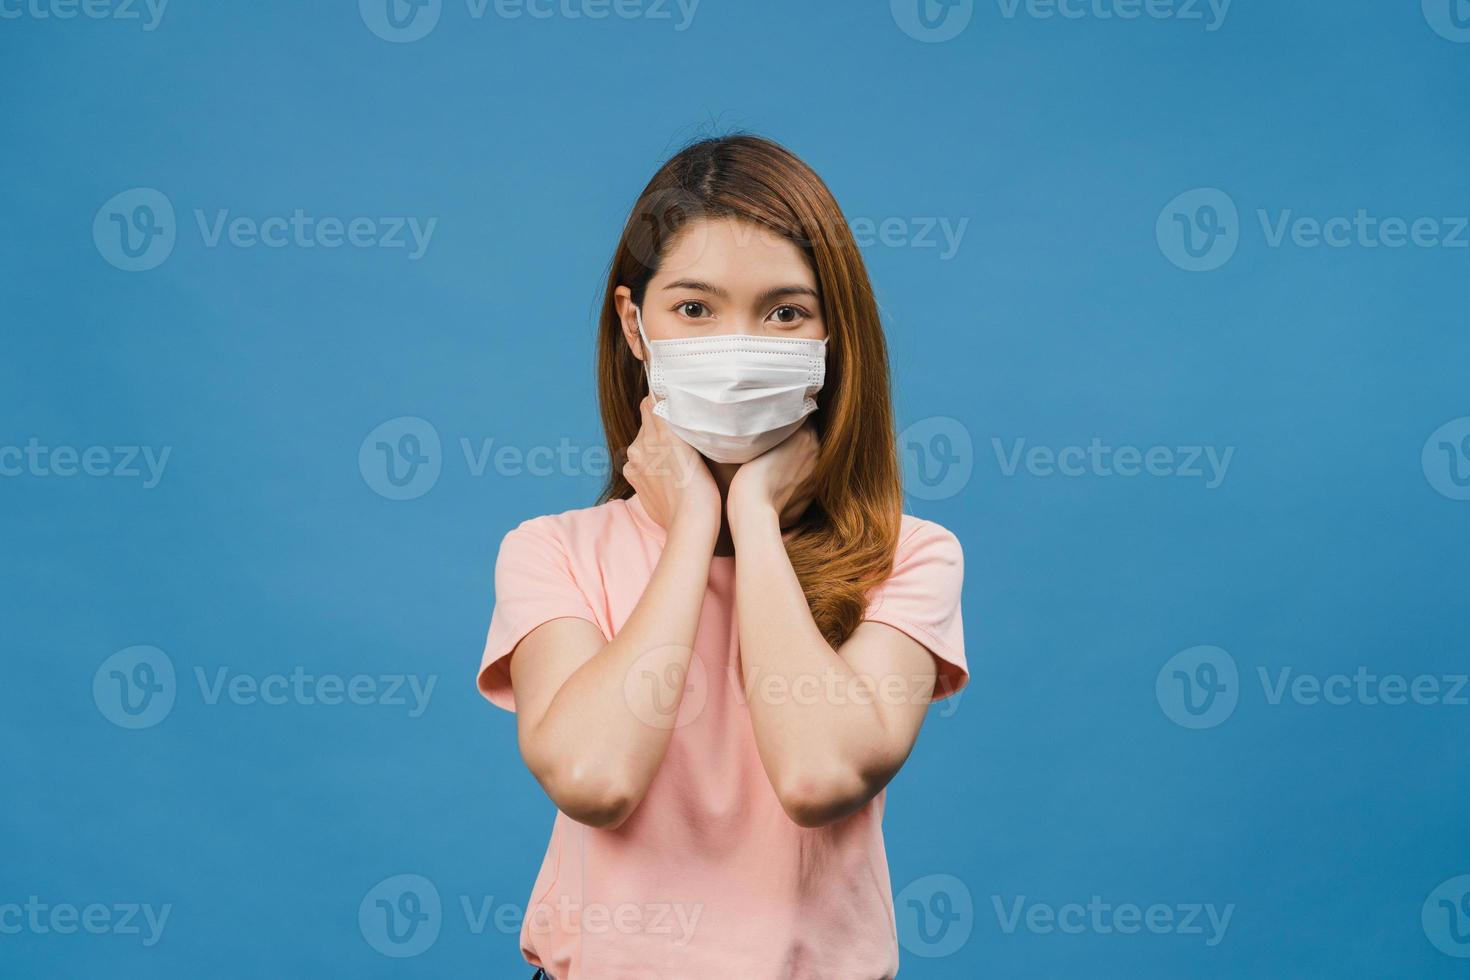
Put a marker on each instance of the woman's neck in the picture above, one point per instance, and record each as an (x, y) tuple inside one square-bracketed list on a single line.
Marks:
[(723, 474)]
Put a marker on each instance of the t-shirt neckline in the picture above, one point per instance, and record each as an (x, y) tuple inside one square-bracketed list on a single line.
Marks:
[(654, 529)]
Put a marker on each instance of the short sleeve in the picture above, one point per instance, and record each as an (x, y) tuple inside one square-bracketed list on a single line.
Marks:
[(922, 599), (534, 584)]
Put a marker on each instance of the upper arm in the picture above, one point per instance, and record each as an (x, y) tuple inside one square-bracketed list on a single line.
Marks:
[(898, 673), (921, 599), (911, 641), (541, 663)]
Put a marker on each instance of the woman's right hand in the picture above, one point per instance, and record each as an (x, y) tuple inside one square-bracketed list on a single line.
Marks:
[(672, 480)]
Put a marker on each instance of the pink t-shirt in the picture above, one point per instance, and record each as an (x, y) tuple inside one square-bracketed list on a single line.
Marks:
[(708, 877)]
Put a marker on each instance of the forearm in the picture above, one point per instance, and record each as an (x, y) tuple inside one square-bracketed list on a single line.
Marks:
[(605, 732), (817, 726)]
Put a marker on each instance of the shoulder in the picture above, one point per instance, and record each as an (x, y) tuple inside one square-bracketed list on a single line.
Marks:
[(571, 529), (929, 563), (570, 521), (918, 538)]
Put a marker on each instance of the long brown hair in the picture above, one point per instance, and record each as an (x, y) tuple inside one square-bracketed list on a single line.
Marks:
[(843, 546)]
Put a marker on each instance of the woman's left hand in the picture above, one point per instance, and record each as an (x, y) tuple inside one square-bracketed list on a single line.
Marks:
[(779, 480)]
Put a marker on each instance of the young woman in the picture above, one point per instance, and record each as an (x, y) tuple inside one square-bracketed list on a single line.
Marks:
[(717, 670)]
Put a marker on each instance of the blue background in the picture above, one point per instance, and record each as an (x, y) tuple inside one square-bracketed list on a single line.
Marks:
[(1060, 319)]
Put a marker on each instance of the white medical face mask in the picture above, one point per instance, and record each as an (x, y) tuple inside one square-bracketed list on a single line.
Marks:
[(733, 396)]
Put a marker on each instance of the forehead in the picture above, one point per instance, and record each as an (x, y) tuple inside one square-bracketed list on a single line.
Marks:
[(736, 255)]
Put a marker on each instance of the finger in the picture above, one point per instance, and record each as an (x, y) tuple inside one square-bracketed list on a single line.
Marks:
[(656, 427)]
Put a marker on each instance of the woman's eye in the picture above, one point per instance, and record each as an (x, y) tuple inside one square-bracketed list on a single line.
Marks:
[(788, 314), (693, 310)]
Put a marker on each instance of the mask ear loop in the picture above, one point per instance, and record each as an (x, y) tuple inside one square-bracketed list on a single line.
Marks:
[(638, 312), (647, 350)]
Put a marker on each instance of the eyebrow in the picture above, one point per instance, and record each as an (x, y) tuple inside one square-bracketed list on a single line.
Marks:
[(765, 297)]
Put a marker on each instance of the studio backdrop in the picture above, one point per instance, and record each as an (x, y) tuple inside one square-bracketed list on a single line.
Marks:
[(298, 307)]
